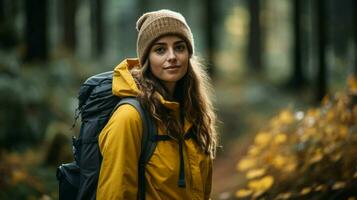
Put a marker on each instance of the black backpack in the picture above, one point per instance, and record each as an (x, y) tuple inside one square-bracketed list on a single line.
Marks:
[(78, 179)]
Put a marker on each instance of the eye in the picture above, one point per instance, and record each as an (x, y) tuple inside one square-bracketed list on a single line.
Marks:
[(160, 50), (180, 47)]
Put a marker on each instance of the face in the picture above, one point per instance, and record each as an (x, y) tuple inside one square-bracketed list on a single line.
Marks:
[(168, 59)]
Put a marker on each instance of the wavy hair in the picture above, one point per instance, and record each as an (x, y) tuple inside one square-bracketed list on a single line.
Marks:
[(193, 92)]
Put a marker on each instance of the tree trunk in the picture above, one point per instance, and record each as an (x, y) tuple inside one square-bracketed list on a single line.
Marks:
[(298, 79), (2, 12), (97, 26), (210, 23), (36, 30), (355, 37), (69, 33), (254, 48), (321, 43)]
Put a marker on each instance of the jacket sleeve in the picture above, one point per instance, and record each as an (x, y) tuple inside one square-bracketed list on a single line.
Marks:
[(120, 143)]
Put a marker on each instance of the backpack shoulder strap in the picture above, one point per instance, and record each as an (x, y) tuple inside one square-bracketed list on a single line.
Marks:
[(148, 145)]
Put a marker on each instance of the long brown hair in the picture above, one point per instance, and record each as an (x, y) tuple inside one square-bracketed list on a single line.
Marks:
[(193, 92)]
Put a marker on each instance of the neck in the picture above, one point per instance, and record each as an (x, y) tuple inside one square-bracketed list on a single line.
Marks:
[(170, 87)]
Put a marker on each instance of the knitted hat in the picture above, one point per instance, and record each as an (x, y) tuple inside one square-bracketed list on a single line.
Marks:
[(153, 25)]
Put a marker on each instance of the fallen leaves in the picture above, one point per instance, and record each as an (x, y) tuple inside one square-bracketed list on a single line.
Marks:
[(261, 185), (300, 154), (255, 173)]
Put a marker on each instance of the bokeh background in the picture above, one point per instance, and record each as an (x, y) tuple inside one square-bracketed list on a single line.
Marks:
[(283, 71)]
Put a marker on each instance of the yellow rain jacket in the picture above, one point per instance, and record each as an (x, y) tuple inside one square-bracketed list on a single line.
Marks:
[(120, 143)]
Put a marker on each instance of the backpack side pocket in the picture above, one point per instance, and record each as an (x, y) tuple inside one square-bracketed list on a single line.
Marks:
[(68, 178)]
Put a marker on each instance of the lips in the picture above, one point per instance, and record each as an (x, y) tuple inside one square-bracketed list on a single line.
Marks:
[(172, 67)]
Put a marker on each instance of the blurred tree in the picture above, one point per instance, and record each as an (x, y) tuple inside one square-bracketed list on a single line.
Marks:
[(354, 24), (12, 111), (59, 150), (8, 9), (211, 16), (297, 77), (36, 30), (143, 6), (69, 8), (321, 44), (254, 44), (97, 26), (2, 12)]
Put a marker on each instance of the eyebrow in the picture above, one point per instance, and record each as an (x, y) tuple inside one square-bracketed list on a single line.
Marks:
[(163, 43)]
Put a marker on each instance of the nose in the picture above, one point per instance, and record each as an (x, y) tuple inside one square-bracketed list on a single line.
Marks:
[(171, 55)]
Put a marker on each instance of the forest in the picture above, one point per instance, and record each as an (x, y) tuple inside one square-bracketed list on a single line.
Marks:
[(284, 76)]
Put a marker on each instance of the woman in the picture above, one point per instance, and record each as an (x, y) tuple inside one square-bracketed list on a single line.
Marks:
[(173, 87)]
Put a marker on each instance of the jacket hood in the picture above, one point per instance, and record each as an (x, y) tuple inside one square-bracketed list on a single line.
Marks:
[(123, 82)]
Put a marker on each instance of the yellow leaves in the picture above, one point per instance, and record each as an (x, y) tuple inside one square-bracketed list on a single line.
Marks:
[(336, 157), (262, 139), (14, 170), (346, 116), (18, 176), (285, 195), (330, 115), (313, 113), (256, 187), (305, 147), (284, 163), (317, 156), (330, 148), (280, 138), (242, 193), (307, 134), (338, 185), (286, 117), (246, 163), (289, 167), (279, 161), (320, 187), (255, 173), (343, 132), (305, 191), (254, 151), (261, 185)]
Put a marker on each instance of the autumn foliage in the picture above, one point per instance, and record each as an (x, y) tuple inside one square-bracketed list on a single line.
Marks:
[(305, 155)]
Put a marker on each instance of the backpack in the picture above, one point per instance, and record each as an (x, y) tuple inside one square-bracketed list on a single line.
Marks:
[(96, 103)]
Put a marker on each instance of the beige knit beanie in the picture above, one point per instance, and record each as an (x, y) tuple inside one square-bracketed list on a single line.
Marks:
[(153, 25)]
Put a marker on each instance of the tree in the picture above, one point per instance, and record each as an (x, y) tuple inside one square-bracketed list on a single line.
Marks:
[(143, 6), (36, 30), (69, 8), (2, 10), (254, 46), (8, 11), (97, 26), (321, 43), (355, 36), (297, 77), (210, 12)]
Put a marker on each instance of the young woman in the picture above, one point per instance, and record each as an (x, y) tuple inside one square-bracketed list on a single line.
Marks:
[(173, 87)]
